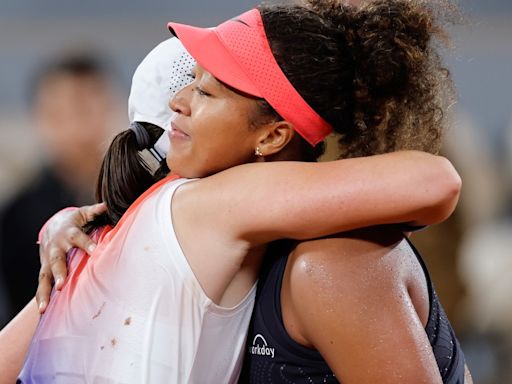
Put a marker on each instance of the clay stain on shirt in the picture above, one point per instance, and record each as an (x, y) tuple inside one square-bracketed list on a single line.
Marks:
[(99, 311)]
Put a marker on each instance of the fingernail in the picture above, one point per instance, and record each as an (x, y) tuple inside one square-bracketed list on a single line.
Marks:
[(91, 248), (59, 282), (42, 306)]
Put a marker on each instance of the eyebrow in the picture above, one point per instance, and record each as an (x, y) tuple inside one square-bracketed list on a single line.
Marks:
[(219, 84)]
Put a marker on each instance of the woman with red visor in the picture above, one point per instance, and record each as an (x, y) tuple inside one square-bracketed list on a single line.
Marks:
[(177, 321)]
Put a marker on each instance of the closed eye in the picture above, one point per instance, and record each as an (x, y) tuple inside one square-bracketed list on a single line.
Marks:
[(201, 91)]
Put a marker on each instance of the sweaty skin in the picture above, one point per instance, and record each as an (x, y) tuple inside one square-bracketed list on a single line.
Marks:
[(372, 294)]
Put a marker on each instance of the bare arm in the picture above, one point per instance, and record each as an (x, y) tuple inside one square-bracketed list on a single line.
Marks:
[(15, 339), (348, 299), (259, 203), (253, 204)]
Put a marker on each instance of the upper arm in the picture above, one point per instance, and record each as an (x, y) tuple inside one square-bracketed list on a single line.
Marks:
[(15, 340), (263, 202), (352, 306)]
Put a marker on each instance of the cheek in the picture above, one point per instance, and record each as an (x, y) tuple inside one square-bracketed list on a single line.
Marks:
[(207, 155), (232, 150), (229, 140), (221, 138)]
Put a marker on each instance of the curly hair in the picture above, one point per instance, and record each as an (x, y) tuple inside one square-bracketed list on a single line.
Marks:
[(374, 73)]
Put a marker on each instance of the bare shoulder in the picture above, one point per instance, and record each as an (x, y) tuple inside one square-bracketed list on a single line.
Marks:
[(350, 298), (359, 261), (346, 273)]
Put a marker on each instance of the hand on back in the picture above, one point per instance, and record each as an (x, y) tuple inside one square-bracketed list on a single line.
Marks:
[(62, 232)]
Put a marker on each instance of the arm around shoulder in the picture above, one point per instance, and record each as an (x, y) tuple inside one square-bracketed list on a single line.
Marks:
[(264, 202)]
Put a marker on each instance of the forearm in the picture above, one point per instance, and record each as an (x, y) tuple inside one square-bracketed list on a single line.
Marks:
[(405, 187), (15, 340)]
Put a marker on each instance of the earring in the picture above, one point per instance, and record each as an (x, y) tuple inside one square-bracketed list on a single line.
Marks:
[(257, 152)]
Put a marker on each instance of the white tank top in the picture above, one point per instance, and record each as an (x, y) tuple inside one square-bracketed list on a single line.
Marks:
[(133, 312)]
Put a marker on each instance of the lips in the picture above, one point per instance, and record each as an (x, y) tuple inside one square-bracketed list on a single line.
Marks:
[(176, 132)]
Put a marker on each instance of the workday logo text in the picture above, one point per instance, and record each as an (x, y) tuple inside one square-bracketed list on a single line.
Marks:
[(260, 347)]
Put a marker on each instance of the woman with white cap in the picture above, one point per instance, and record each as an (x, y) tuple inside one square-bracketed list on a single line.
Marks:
[(160, 75)]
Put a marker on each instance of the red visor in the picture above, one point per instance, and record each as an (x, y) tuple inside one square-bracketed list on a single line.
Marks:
[(237, 53)]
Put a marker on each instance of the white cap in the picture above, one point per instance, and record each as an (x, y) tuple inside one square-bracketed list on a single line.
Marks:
[(162, 73)]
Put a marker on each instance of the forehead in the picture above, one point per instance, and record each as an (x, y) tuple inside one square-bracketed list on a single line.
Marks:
[(207, 76)]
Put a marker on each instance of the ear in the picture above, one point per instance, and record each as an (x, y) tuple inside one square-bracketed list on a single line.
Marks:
[(275, 136)]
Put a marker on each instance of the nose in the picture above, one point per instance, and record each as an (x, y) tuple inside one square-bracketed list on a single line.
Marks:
[(179, 103)]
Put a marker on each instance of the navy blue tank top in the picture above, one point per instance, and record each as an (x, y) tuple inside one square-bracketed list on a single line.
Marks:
[(272, 356)]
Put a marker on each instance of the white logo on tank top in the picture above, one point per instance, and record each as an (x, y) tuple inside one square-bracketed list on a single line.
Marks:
[(261, 350)]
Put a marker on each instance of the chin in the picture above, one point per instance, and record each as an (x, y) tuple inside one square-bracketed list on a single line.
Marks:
[(184, 171)]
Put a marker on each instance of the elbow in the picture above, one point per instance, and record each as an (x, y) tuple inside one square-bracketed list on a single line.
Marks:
[(448, 185)]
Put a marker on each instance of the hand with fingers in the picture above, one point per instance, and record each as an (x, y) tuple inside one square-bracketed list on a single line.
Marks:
[(62, 232)]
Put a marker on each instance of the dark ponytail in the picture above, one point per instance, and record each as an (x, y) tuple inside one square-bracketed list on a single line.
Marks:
[(373, 73), (125, 174)]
